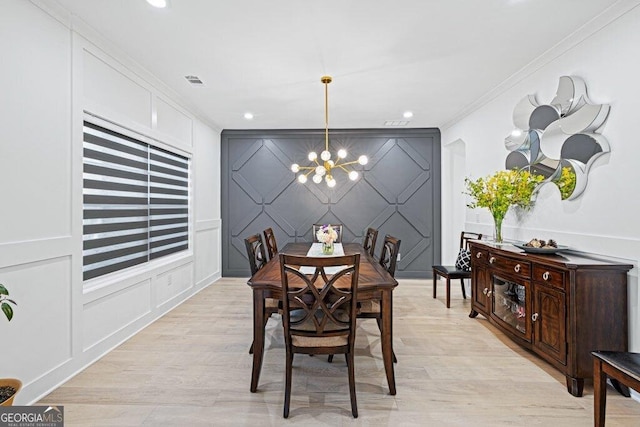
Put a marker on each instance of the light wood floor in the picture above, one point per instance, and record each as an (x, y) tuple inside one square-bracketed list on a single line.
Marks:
[(192, 368)]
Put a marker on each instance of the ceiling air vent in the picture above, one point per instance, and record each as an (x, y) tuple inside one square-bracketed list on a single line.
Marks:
[(194, 80), (396, 122)]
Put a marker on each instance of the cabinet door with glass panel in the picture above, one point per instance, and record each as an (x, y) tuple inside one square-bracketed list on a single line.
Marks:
[(511, 305)]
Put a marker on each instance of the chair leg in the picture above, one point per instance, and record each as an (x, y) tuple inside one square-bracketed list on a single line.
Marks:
[(251, 349), (464, 292), (435, 279), (448, 293), (330, 359), (352, 384), (287, 384)]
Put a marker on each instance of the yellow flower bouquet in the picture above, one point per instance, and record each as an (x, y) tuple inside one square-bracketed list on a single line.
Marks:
[(500, 191)]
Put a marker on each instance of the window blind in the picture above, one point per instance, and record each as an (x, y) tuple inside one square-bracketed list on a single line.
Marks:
[(135, 202)]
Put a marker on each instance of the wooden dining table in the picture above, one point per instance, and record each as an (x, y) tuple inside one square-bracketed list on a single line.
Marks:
[(374, 283)]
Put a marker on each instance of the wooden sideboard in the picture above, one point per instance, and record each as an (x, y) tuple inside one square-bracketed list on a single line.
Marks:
[(561, 306)]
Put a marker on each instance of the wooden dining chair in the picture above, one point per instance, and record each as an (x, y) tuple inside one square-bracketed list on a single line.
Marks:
[(270, 242), (337, 227), (319, 312), (461, 270), (369, 242), (370, 309), (258, 259)]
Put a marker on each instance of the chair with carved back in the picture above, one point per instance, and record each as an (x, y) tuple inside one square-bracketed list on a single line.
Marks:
[(319, 311), (257, 259), (370, 309), (270, 242), (369, 241), (337, 227), (461, 270)]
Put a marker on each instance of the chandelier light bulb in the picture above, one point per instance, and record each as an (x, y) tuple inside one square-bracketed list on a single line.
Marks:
[(302, 178), (342, 153), (312, 156), (320, 170), (317, 178), (331, 183), (295, 168), (363, 160), (353, 175), (325, 155)]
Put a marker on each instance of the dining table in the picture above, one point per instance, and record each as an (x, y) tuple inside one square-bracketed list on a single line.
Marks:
[(374, 283)]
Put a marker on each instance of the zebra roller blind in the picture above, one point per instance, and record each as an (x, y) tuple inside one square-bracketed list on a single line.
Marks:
[(135, 202)]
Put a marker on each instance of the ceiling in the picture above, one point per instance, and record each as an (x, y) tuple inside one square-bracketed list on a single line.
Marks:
[(436, 58)]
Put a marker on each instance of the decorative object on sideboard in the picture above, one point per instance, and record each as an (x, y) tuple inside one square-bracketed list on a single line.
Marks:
[(559, 140), (326, 168), (9, 387), (501, 191)]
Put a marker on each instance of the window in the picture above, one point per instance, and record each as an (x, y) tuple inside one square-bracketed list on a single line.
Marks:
[(135, 202)]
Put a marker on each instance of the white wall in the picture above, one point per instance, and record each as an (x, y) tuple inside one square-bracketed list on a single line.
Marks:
[(604, 220), (54, 72)]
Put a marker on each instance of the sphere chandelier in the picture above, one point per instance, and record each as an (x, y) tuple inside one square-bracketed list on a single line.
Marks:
[(324, 168)]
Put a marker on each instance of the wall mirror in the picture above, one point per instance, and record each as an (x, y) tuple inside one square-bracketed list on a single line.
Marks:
[(559, 140)]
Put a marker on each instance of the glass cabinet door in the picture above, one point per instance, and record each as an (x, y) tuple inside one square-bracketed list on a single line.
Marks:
[(511, 305)]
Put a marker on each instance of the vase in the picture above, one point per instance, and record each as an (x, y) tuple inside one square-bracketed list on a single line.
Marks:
[(327, 248), (497, 230)]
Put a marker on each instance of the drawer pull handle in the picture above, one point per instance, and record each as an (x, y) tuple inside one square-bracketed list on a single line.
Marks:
[(479, 255), (492, 260), (517, 268), (546, 275), (489, 293), (534, 316), (485, 290)]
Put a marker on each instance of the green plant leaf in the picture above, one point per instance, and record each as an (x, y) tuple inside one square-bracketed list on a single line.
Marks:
[(3, 290), (7, 310)]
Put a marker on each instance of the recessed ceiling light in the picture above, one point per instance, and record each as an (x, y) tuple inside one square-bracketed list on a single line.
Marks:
[(248, 116), (407, 114), (158, 3)]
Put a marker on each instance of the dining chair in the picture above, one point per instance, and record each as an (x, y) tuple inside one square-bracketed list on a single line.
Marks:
[(461, 270), (258, 259), (369, 242), (337, 227), (319, 312), (270, 242), (370, 309)]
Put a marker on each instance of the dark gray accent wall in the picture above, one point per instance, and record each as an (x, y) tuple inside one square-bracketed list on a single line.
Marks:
[(398, 191)]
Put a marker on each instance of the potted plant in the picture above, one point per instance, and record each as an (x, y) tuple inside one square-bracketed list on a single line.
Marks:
[(500, 191), (8, 386)]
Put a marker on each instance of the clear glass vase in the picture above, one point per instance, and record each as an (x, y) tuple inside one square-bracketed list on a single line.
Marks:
[(327, 248), (497, 229)]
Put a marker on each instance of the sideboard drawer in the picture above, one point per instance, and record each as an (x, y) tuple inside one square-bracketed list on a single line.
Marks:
[(479, 255), (509, 265), (548, 275)]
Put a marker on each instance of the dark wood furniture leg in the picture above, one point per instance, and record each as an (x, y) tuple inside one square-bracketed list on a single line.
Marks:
[(599, 393), (258, 337), (435, 280), (386, 312), (575, 386), (464, 291)]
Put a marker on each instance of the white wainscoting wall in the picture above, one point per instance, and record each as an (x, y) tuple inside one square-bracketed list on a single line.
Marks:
[(56, 73)]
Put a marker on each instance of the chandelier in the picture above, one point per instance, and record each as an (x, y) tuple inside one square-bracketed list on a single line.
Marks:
[(325, 167)]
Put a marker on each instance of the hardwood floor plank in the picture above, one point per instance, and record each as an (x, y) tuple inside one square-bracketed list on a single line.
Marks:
[(192, 368)]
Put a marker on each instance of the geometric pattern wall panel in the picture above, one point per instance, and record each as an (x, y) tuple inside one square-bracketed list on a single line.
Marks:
[(397, 192)]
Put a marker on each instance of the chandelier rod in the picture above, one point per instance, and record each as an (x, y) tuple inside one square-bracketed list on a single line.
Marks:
[(326, 80)]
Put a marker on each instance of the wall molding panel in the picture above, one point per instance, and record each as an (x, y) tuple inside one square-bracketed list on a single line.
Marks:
[(398, 191)]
